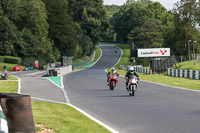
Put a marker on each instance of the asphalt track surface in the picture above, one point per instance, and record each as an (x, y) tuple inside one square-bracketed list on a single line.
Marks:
[(154, 109)]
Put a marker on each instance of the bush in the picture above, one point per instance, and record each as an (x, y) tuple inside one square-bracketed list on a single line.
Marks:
[(12, 60), (1, 59)]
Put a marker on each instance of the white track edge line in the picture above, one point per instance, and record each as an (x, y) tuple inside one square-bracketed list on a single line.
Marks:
[(19, 84)]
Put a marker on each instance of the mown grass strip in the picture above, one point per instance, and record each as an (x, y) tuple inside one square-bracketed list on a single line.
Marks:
[(64, 119), (8, 86)]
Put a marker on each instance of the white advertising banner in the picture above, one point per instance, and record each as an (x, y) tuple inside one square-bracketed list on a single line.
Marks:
[(153, 52)]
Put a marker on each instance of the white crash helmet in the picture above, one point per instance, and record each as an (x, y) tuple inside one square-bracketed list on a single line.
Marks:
[(112, 69), (131, 70)]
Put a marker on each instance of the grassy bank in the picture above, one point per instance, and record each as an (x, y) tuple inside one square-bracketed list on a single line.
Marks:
[(189, 65), (96, 57)]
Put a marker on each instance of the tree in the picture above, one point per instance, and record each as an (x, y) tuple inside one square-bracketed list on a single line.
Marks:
[(90, 16), (185, 27), (149, 35), (129, 17), (62, 29), (29, 17)]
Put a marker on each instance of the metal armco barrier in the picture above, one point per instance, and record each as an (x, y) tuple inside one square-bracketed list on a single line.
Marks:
[(18, 112)]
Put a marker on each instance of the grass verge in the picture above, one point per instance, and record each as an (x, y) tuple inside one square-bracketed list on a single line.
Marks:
[(9, 86), (64, 119), (96, 57)]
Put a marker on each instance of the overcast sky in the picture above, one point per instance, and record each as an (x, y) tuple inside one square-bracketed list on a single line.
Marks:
[(166, 3)]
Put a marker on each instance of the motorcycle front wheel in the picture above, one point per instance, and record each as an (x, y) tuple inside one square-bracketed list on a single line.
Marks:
[(132, 90), (112, 85)]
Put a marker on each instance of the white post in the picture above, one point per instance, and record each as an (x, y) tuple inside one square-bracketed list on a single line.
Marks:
[(173, 72), (176, 72), (181, 73), (191, 74), (185, 73), (168, 71)]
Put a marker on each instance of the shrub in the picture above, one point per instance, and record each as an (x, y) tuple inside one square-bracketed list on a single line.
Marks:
[(1, 59), (12, 60)]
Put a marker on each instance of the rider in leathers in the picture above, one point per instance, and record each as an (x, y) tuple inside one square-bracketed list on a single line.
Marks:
[(129, 73), (111, 71)]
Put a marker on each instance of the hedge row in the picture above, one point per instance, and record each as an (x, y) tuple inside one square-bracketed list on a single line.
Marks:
[(18, 60), (10, 59)]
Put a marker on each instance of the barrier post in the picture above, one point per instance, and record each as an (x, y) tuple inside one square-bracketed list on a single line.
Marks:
[(18, 112)]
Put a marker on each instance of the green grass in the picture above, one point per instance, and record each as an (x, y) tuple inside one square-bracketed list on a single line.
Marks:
[(189, 65), (97, 55), (9, 86), (9, 67), (64, 119)]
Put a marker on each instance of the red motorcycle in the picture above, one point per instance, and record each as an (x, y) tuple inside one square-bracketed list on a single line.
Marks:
[(113, 79)]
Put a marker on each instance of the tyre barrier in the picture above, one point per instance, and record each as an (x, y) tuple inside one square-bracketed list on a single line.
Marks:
[(18, 112), (192, 74)]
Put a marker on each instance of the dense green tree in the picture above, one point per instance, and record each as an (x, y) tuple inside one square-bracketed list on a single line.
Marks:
[(29, 19), (62, 29), (109, 34), (129, 17), (90, 16), (148, 35), (185, 27)]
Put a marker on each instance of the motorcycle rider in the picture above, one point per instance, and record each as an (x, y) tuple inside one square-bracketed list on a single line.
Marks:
[(115, 50), (129, 73), (110, 72)]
